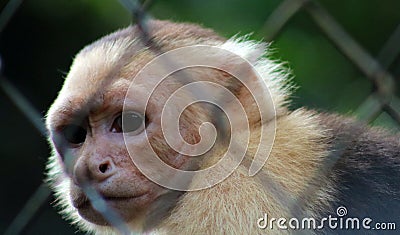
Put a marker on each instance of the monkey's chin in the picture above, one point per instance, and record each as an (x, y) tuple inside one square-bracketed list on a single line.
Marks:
[(128, 208)]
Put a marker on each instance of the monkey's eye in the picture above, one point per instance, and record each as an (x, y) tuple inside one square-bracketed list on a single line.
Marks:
[(74, 134), (133, 122)]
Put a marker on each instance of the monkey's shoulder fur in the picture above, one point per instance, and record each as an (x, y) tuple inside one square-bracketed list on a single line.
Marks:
[(319, 162)]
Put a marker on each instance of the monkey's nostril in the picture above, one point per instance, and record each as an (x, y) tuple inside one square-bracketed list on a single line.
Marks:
[(104, 167), (101, 169)]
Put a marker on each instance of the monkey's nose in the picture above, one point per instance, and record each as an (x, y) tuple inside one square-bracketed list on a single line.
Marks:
[(101, 169), (94, 169)]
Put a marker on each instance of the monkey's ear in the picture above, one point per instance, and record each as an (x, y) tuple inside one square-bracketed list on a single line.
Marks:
[(270, 77), (243, 79)]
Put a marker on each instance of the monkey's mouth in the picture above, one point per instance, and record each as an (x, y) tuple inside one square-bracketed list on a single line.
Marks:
[(128, 207), (83, 202)]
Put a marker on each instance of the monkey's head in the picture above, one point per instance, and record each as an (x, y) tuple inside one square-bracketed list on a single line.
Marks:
[(102, 122)]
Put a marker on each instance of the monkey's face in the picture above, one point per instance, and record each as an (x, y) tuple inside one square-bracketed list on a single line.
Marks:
[(87, 131), (92, 140)]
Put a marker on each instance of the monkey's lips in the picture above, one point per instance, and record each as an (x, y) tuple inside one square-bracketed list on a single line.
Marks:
[(125, 206), (85, 202)]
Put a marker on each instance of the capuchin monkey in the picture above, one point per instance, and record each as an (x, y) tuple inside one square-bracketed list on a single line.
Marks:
[(332, 169)]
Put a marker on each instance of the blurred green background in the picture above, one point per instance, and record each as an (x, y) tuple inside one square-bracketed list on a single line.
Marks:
[(38, 45)]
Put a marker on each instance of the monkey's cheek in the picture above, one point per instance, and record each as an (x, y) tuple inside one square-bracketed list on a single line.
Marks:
[(128, 209)]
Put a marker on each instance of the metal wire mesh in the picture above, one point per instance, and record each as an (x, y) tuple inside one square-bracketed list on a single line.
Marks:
[(382, 98)]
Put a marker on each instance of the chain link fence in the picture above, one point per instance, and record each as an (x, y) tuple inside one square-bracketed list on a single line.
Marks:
[(382, 98)]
